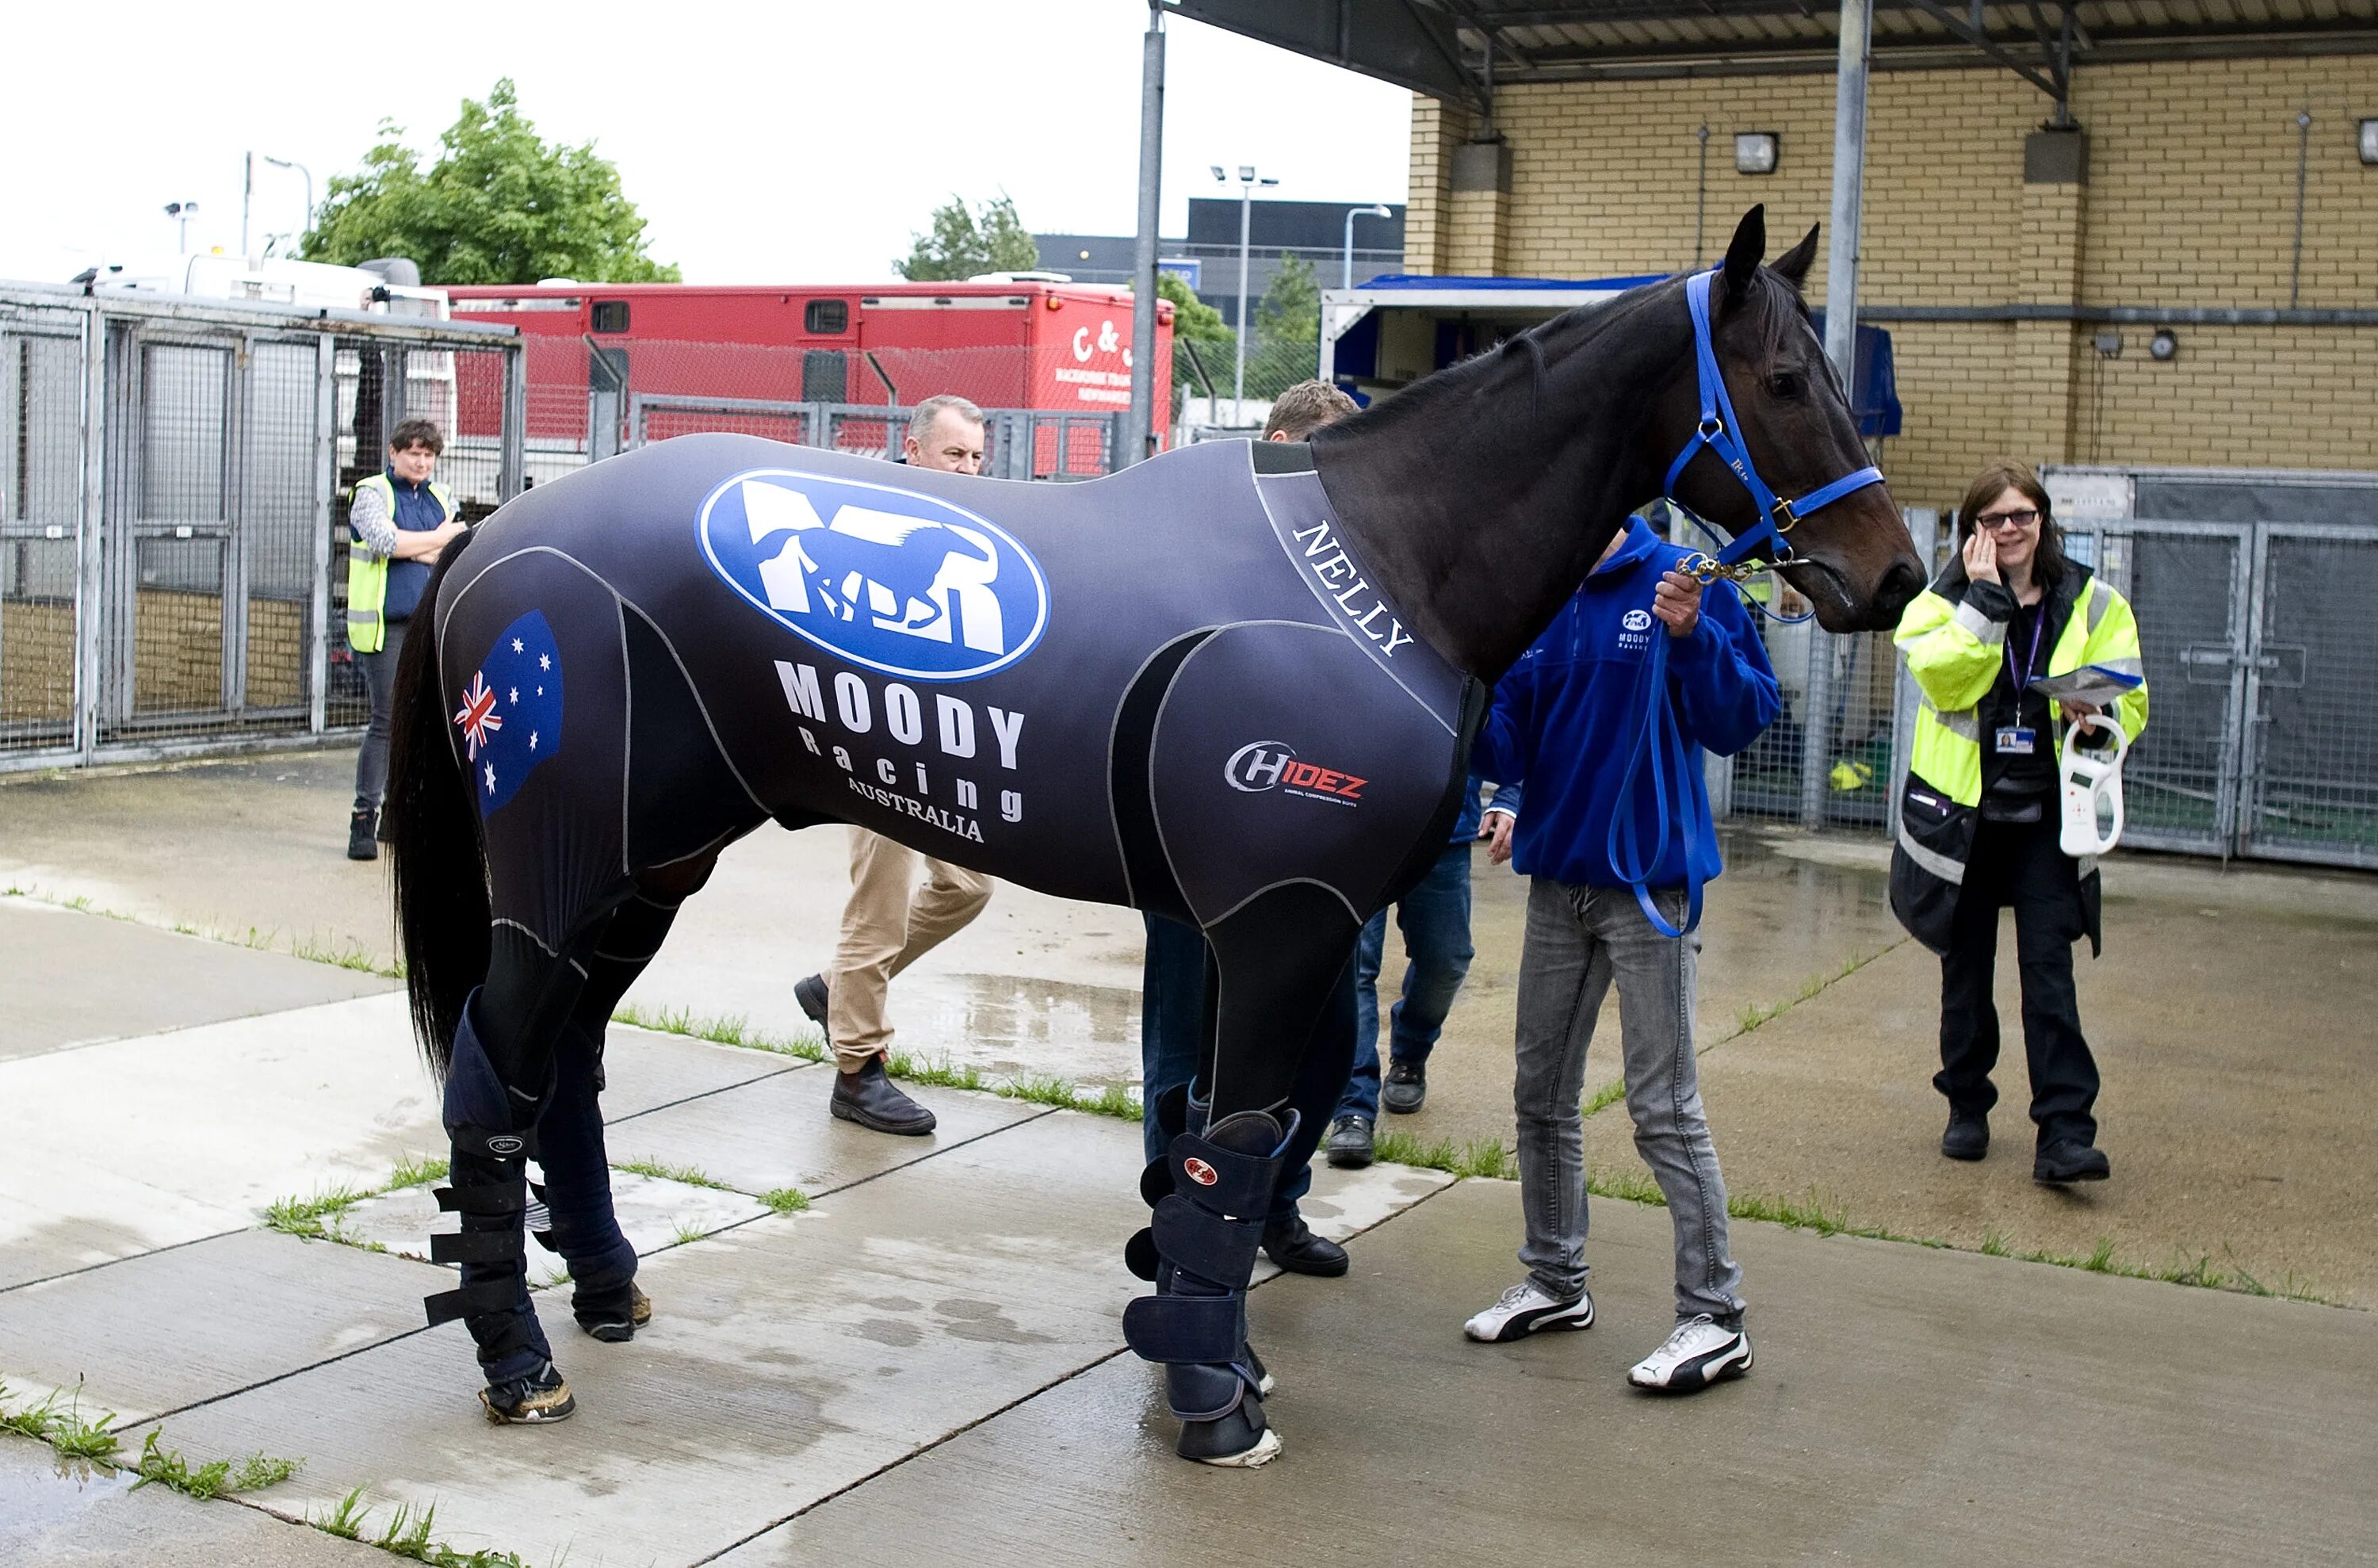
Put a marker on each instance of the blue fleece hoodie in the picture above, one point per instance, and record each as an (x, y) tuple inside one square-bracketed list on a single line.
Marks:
[(1561, 723)]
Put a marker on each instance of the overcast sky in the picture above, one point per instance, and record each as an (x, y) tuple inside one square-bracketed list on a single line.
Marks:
[(802, 140)]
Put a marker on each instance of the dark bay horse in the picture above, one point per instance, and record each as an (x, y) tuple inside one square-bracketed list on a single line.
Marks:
[(1235, 686)]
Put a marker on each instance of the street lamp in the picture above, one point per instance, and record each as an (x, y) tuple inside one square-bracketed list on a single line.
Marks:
[(248, 192), (1247, 182), (1352, 213), (181, 212)]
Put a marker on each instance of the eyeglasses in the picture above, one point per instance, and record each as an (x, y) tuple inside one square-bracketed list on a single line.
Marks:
[(2007, 519)]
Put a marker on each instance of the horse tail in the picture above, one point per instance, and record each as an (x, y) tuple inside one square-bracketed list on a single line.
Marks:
[(433, 833)]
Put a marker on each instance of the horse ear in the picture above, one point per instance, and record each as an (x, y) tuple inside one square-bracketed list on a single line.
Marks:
[(1793, 264), (1742, 256)]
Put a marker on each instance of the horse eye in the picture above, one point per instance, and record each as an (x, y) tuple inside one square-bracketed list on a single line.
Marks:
[(1788, 384)]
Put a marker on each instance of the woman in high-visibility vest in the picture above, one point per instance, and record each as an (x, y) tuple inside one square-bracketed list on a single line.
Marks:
[(1978, 823), (399, 520)]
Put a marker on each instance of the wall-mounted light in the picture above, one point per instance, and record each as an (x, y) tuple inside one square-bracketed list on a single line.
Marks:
[(2369, 141), (1755, 152), (2164, 345), (2109, 344)]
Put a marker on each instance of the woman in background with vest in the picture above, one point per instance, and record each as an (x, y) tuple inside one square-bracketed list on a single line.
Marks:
[(399, 520), (1979, 821)]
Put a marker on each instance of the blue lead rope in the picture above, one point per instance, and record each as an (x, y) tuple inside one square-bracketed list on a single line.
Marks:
[(1657, 744)]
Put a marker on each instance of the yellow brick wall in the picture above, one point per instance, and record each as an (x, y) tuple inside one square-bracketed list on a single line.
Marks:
[(2189, 202)]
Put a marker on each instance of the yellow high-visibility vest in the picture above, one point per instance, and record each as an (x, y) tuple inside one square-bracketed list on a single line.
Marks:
[(367, 569)]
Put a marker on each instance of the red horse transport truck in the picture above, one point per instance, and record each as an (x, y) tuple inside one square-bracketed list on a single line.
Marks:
[(1059, 348)]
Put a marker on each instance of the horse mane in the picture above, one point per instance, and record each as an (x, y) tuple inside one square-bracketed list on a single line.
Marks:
[(1773, 308)]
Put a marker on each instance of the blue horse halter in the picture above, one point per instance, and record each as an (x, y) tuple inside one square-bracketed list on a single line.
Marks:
[(1658, 743), (1720, 431)]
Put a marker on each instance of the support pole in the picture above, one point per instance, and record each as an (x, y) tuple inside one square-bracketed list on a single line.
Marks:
[(1841, 348), (1139, 421)]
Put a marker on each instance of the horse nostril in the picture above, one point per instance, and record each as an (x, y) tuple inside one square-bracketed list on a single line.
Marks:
[(1900, 585)]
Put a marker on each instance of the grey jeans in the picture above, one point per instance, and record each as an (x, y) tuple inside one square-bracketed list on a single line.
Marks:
[(1578, 940), (380, 683)]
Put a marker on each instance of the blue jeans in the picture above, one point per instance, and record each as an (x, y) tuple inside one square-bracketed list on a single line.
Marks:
[(1172, 1044), (1435, 919)]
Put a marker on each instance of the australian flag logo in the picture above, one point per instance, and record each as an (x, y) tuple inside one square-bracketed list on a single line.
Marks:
[(510, 714)]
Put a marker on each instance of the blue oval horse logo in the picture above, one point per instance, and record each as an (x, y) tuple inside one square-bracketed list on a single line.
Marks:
[(887, 578)]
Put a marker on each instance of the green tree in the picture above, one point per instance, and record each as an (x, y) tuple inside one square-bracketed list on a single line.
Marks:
[(1197, 323), (990, 239), (1287, 344), (1290, 311), (501, 205)]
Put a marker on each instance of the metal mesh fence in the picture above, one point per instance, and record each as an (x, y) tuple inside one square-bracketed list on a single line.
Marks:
[(41, 524), (168, 470), (2313, 790)]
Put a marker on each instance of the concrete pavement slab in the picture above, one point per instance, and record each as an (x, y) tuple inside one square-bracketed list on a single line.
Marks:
[(1776, 921), (232, 845), (776, 1132), (75, 1515), (1907, 1406), (157, 1332), (77, 978), (645, 1068), (785, 1360), (653, 1213), (133, 1144), (2233, 1044)]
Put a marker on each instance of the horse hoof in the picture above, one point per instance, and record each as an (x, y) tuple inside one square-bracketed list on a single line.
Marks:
[(1239, 1440), (539, 1399)]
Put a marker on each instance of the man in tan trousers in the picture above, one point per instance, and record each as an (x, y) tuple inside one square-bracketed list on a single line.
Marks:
[(891, 922)]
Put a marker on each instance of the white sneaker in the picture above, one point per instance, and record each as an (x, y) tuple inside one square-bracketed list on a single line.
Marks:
[(1523, 1309), (1699, 1354)]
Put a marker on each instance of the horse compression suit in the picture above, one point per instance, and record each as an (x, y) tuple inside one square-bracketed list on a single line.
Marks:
[(1175, 688)]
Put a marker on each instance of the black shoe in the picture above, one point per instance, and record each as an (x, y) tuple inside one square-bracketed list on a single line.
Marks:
[(540, 1397), (870, 1098), (1295, 1248), (2067, 1160), (812, 994), (1406, 1089), (1968, 1137), (363, 836), (1348, 1143)]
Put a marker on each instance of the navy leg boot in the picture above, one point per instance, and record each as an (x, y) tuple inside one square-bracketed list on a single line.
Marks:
[(492, 1131), (580, 1225), (1211, 1192)]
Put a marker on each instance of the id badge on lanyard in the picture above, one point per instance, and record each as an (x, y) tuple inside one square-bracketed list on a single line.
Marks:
[(2020, 740)]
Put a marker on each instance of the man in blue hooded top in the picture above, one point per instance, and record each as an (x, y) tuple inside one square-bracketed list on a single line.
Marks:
[(1564, 721)]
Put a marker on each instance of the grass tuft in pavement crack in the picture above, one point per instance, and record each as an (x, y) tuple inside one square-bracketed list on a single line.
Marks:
[(786, 1200), (685, 1174), (317, 1218), (65, 1430), (407, 1535), (1478, 1157), (167, 1468), (1116, 1100)]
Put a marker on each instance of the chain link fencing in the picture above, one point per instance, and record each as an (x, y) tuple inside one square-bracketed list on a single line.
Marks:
[(173, 505)]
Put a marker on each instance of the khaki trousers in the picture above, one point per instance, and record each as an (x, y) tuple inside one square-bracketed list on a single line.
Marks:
[(889, 924)]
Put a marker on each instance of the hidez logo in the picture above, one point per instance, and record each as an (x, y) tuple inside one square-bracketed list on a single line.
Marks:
[(886, 578), (1266, 764)]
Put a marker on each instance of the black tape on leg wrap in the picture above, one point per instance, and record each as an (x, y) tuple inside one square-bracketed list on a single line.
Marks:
[(475, 1247), (487, 1201), (1206, 1245), (1222, 1181), (478, 1300), (1201, 1329)]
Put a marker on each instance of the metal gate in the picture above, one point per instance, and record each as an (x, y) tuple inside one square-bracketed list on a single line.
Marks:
[(1023, 443), (2311, 785), (172, 474)]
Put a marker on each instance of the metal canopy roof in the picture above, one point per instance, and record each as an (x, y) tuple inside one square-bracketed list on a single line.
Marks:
[(1462, 49)]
